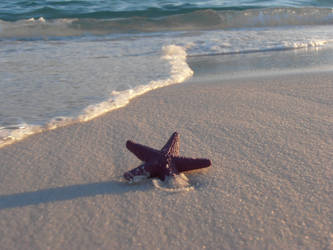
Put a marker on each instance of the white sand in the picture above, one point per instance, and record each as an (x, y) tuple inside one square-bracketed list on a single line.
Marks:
[(270, 187)]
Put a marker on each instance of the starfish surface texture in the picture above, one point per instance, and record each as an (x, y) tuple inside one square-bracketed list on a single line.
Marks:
[(161, 163)]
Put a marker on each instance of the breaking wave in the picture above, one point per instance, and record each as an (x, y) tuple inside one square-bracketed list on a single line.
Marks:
[(17, 129), (42, 27)]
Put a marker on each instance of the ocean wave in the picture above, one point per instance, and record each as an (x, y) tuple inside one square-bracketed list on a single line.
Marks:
[(192, 21), (180, 71), (204, 32), (15, 10), (15, 129)]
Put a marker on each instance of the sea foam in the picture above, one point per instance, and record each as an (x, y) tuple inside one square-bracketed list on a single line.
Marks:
[(201, 19), (179, 72)]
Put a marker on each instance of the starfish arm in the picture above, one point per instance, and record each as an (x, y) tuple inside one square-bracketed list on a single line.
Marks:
[(187, 164), (172, 146), (138, 171), (167, 169), (144, 153)]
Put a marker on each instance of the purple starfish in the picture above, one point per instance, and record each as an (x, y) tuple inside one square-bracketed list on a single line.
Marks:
[(162, 163)]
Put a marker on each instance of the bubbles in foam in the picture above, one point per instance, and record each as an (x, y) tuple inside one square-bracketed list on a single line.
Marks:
[(33, 20)]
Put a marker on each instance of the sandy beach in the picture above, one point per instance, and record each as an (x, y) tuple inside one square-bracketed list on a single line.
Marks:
[(270, 186)]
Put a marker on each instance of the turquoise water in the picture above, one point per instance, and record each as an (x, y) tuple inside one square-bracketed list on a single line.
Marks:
[(64, 61), (51, 9), (68, 18)]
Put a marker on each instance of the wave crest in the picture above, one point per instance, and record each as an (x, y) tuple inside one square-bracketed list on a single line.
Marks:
[(196, 20), (180, 71)]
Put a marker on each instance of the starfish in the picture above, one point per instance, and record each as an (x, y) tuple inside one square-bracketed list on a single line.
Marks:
[(161, 163)]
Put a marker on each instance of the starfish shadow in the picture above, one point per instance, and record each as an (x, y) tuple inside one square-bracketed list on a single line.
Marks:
[(66, 193)]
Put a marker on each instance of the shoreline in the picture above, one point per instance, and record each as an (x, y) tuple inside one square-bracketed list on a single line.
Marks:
[(269, 141), (174, 55), (201, 68)]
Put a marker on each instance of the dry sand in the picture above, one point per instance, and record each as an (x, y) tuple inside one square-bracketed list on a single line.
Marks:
[(270, 187)]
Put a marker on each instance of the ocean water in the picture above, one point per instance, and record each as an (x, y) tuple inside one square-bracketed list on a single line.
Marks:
[(65, 61)]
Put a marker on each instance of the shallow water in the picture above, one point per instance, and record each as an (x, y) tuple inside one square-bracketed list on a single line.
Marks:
[(70, 61)]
